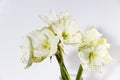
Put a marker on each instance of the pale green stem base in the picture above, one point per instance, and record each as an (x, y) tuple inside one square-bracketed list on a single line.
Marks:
[(63, 70)]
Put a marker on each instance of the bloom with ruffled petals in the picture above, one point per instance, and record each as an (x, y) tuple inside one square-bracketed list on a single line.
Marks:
[(38, 45), (64, 26), (93, 53)]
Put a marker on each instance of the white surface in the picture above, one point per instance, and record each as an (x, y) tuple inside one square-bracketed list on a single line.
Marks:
[(18, 17)]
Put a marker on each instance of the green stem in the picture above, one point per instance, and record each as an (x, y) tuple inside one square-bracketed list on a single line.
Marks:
[(79, 73), (63, 70)]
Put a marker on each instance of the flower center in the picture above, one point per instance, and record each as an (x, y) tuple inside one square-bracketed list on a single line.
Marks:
[(92, 56), (46, 44), (65, 35)]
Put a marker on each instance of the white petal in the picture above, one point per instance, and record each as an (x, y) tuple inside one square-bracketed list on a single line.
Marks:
[(50, 19), (53, 41), (26, 50), (92, 34)]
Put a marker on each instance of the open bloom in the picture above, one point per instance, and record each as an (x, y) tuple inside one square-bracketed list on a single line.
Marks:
[(38, 45), (64, 26), (93, 52)]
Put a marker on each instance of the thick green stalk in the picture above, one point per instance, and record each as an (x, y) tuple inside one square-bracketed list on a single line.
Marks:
[(63, 70), (79, 73)]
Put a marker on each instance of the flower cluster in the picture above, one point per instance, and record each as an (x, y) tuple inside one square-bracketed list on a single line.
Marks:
[(61, 29)]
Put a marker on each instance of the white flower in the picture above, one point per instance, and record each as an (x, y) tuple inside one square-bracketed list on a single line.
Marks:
[(93, 52), (64, 26), (93, 57), (39, 44), (68, 31)]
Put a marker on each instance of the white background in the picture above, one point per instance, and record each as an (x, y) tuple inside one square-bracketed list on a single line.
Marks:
[(18, 17)]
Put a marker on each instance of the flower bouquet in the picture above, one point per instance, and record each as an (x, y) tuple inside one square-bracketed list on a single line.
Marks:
[(62, 30)]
